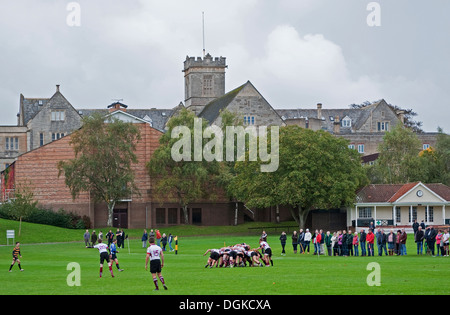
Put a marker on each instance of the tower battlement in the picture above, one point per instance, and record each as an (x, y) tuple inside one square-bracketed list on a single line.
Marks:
[(207, 61)]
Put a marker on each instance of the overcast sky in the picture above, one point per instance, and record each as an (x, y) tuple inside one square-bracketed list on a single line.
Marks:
[(296, 52)]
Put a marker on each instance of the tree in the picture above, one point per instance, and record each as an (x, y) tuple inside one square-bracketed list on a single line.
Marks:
[(316, 171), (435, 161), (104, 155), (399, 160), (176, 173)]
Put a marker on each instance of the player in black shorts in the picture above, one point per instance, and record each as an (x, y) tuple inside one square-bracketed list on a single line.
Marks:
[(15, 255)]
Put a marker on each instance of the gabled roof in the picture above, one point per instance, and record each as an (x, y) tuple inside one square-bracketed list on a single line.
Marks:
[(212, 110), (391, 193)]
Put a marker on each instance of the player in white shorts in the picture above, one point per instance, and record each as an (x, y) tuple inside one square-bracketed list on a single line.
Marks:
[(104, 255), (156, 257)]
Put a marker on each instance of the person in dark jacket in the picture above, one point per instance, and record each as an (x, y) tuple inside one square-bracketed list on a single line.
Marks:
[(362, 242), (419, 236), (294, 241), (283, 239), (431, 239)]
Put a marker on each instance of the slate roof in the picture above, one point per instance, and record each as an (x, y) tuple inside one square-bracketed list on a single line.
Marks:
[(358, 116), (155, 116), (213, 108), (29, 107)]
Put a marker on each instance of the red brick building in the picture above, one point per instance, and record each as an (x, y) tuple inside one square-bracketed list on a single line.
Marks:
[(37, 170)]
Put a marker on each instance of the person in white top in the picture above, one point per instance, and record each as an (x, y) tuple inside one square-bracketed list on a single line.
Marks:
[(104, 255), (156, 257), (307, 240), (267, 258)]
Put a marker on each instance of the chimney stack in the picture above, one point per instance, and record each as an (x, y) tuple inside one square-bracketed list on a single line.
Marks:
[(319, 110), (336, 125), (57, 88)]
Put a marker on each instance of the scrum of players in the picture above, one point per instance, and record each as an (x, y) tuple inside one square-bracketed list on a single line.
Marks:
[(240, 255)]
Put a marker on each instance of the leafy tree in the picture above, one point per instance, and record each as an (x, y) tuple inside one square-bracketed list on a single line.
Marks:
[(316, 171), (399, 160), (104, 156), (183, 178), (435, 161)]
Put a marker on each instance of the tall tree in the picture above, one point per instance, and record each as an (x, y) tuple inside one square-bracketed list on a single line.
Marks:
[(316, 171), (398, 161), (104, 155), (176, 171)]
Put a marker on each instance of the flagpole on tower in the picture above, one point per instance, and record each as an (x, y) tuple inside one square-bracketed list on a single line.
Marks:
[(203, 31)]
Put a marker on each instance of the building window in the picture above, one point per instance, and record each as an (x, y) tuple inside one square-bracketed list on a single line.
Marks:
[(207, 85), (383, 126), (414, 214), (56, 136), (173, 215), (360, 148), (398, 214), (426, 146), (351, 146), (365, 212), (430, 217), (249, 120), (41, 139), (12, 144), (58, 115), (346, 122), (160, 216)]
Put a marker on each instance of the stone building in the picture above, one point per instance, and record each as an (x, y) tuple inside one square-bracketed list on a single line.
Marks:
[(41, 139)]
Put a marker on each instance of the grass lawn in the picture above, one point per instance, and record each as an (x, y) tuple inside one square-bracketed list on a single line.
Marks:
[(45, 269)]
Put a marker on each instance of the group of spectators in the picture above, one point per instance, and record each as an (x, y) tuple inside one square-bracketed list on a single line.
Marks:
[(161, 239), (91, 239), (348, 243)]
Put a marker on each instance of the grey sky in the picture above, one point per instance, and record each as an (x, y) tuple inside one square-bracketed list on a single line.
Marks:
[(296, 52)]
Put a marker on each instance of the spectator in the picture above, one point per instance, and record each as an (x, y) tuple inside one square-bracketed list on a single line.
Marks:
[(283, 239), (294, 241), (301, 241), (446, 239), (350, 243), (329, 243), (370, 240), (158, 238), (438, 242), (170, 242), (362, 242), (398, 243), (355, 243), (403, 238), (144, 239), (431, 239), (87, 236), (164, 241), (391, 242), (418, 238), (307, 240), (93, 238)]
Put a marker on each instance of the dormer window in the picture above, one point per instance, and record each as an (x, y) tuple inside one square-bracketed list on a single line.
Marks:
[(346, 122)]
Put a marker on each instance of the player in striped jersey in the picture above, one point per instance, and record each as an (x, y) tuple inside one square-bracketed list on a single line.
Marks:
[(16, 254)]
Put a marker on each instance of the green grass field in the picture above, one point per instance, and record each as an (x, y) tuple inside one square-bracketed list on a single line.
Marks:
[(45, 269)]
